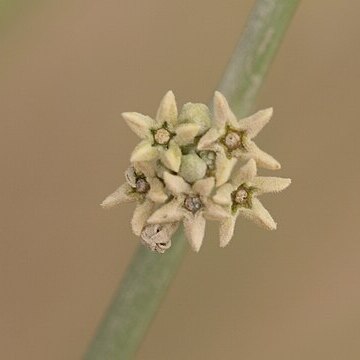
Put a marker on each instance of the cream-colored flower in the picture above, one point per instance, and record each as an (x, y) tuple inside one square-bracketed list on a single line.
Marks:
[(162, 136), (175, 167), (143, 187), (231, 139), (239, 196), (190, 204)]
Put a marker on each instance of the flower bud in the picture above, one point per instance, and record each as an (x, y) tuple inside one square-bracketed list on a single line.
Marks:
[(196, 113), (192, 168)]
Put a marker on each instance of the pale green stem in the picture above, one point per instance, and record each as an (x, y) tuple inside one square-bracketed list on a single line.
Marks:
[(255, 51), (149, 274)]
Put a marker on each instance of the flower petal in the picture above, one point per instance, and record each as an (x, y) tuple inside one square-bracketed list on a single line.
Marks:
[(222, 111), (125, 193), (254, 123), (185, 133), (224, 167), (176, 184), (156, 192), (262, 158), (171, 157), (146, 168), (144, 151), (170, 212), (215, 212), (226, 230), (244, 174), (259, 215), (268, 184), (140, 124), (194, 228), (204, 186), (167, 111), (140, 216), (223, 194), (209, 138)]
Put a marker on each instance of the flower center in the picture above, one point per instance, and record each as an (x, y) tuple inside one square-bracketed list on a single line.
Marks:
[(232, 140), (193, 204), (162, 136), (142, 186), (241, 196)]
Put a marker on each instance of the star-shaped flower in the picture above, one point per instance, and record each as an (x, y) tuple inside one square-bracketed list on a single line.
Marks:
[(190, 204), (231, 139), (179, 160), (143, 187), (162, 136), (239, 196)]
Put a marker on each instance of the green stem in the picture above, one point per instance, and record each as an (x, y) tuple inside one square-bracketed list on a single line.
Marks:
[(256, 49), (136, 301), (149, 274)]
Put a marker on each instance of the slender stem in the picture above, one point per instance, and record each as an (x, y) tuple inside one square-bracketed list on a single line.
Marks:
[(149, 274), (255, 51), (136, 301)]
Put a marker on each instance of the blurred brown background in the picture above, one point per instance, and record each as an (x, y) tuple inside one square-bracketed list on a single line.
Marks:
[(67, 71)]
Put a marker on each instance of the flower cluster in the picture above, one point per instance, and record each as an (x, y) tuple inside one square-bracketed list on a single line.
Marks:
[(183, 171)]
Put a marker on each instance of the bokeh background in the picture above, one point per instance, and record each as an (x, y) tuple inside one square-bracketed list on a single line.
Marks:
[(67, 71)]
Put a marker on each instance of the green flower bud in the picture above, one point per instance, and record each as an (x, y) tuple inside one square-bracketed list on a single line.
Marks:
[(196, 113), (192, 168)]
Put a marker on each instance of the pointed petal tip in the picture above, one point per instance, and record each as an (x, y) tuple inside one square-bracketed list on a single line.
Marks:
[(268, 112), (104, 204), (277, 165), (125, 114), (168, 97), (218, 95), (287, 181), (167, 111), (270, 164), (108, 203), (273, 227), (131, 116), (219, 99), (223, 245)]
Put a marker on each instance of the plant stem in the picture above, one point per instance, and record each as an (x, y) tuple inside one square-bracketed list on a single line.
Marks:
[(136, 301), (149, 274), (256, 49)]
